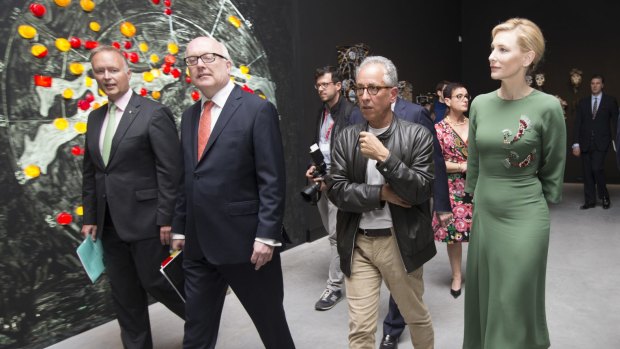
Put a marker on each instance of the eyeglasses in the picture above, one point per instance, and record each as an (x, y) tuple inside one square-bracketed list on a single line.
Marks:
[(372, 90), (323, 85), (205, 58), (461, 96)]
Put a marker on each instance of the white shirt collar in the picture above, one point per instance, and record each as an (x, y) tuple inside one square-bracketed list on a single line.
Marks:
[(121, 103), (220, 97)]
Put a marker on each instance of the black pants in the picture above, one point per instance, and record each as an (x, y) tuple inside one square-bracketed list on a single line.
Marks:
[(260, 292), (133, 270), (594, 181), (394, 323)]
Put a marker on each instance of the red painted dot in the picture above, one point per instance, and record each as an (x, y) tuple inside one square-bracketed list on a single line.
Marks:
[(166, 69), (37, 10), (188, 79), (77, 150), (83, 104), (75, 42), (195, 95), (143, 92), (176, 73), (64, 218), (167, 3), (116, 44), (156, 2), (168, 11), (89, 45), (127, 45), (170, 59), (133, 57), (89, 97)]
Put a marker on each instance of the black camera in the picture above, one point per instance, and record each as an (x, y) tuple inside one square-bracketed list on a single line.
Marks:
[(309, 193)]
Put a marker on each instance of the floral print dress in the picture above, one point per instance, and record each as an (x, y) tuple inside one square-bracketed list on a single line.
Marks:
[(454, 149)]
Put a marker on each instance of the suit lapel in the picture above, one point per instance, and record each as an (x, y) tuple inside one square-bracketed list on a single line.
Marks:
[(193, 130), (231, 105), (129, 115), (95, 132)]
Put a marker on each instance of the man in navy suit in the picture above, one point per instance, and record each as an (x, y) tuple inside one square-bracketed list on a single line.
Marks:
[(231, 204), (130, 182), (394, 323), (595, 121)]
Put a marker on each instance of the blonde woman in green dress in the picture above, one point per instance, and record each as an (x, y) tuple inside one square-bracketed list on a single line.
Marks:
[(517, 151)]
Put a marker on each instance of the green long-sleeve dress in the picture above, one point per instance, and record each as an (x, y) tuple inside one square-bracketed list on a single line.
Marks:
[(517, 153)]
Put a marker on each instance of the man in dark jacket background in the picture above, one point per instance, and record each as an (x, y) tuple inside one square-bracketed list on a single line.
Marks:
[(380, 180), (335, 114)]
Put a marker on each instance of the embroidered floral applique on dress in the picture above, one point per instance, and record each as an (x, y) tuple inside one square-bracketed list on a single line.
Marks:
[(512, 158)]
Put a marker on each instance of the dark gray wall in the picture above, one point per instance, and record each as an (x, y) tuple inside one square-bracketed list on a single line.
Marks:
[(421, 38), (581, 35)]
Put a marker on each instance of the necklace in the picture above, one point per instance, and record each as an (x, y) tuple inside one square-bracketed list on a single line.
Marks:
[(455, 123)]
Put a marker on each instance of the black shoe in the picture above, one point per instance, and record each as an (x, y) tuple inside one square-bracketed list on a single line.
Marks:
[(455, 293), (389, 342), (606, 203), (587, 206), (328, 299)]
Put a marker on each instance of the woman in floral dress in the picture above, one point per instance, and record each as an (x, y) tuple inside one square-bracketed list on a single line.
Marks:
[(452, 133)]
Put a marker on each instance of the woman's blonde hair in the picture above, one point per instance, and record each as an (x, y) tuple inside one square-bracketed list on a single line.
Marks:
[(529, 37)]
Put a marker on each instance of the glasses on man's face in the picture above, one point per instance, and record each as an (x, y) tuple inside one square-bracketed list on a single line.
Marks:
[(323, 85), (372, 90), (461, 96), (205, 58)]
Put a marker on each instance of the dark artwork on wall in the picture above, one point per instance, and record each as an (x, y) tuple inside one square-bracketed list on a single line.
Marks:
[(46, 94)]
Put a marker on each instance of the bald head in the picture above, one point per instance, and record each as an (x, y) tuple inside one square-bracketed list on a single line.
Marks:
[(213, 46), (210, 65)]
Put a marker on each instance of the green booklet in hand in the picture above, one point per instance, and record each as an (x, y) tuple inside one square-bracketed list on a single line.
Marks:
[(91, 256)]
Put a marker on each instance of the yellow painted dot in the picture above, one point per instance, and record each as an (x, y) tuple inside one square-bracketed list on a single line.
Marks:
[(187, 71), (262, 96), (63, 44), (128, 29), (61, 123), (154, 58), (148, 76), (101, 93), (38, 50), (87, 5), (94, 26), (76, 68), (67, 93), (173, 48), (26, 31), (234, 20), (96, 105), (79, 210), (155, 72), (62, 3), (88, 81), (143, 46), (32, 171), (232, 78), (80, 127), (156, 94), (244, 69)]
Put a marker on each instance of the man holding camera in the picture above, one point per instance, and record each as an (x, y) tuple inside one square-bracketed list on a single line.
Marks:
[(334, 115)]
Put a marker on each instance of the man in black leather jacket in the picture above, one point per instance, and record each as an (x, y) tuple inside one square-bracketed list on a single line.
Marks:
[(380, 180)]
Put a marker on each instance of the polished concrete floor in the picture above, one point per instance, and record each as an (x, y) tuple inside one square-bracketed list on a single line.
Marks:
[(583, 306)]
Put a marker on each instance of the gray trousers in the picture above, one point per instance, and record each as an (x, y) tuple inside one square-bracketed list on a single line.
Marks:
[(328, 212)]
